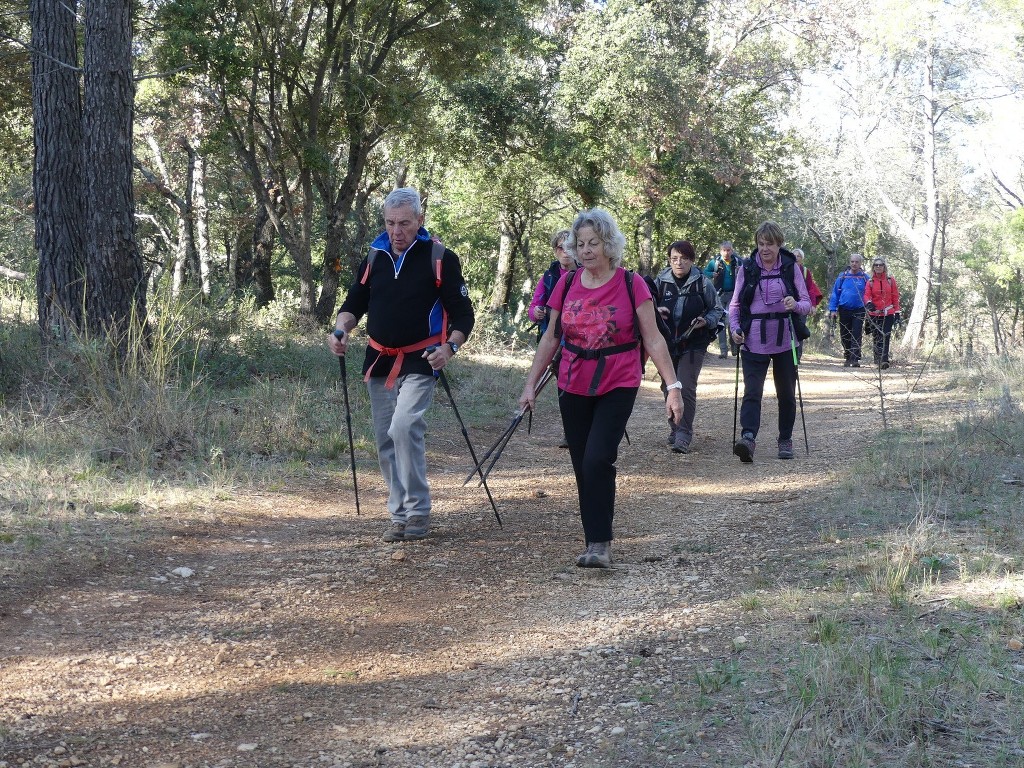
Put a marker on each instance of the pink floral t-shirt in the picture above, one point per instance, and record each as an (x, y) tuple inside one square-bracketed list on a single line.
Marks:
[(593, 318)]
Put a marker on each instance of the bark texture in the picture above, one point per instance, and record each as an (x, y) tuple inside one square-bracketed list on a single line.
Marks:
[(57, 171), (116, 288)]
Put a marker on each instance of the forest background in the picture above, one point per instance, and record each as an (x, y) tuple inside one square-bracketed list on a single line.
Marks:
[(238, 152)]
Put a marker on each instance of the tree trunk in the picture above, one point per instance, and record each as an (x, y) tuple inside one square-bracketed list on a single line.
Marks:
[(57, 172), (195, 197), (645, 242), (116, 294), (925, 244), (505, 268)]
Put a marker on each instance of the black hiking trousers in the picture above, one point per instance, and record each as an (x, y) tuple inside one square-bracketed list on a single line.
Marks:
[(594, 427), (755, 370)]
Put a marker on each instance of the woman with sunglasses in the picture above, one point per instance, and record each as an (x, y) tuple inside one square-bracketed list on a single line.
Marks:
[(882, 302)]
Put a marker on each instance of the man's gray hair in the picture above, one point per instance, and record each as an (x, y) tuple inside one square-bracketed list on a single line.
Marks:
[(404, 196), (725, 244), (857, 256), (605, 227)]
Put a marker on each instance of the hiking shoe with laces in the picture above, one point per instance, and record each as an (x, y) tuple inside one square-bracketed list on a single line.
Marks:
[(417, 527), (744, 448), (395, 533), (785, 449), (599, 555), (885, 365), (681, 444)]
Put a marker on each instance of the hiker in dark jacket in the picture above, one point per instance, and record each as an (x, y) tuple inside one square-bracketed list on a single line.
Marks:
[(688, 303), (418, 315), (721, 270), (563, 262), (847, 301)]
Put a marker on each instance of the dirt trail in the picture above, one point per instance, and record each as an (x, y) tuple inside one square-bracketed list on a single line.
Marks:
[(301, 639)]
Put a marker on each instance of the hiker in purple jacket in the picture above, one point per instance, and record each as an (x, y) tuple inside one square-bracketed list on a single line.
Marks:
[(770, 290)]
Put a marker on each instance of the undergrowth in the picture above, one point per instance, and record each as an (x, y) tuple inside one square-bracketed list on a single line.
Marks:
[(208, 399), (919, 662)]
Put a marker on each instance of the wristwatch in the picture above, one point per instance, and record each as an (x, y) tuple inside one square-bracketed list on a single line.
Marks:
[(454, 346), (675, 385)]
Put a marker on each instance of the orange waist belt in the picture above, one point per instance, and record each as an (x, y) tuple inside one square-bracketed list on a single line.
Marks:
[(399, 354)]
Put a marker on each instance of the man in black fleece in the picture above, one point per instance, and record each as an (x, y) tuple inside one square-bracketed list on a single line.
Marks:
[(418, 315)]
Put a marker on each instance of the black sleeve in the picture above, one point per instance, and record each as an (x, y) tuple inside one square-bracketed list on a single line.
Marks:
[(455, 295), (358, 299)]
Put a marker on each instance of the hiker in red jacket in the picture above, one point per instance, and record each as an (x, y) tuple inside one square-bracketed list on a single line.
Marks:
[(882, 302)]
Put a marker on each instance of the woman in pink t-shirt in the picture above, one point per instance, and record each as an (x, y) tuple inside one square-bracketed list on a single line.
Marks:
[(595, 325)]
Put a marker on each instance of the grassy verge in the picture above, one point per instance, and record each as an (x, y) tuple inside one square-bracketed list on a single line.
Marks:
[(912, 651), (210, 403)]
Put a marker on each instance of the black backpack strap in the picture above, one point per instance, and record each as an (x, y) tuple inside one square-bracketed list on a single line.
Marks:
[(565, 292)]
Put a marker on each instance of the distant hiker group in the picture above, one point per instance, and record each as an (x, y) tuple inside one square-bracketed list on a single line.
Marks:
[(597, 324)]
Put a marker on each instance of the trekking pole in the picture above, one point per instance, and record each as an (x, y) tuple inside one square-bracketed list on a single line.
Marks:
[(796, 368), (501, 438), (878, 331), (502, 441), (348, 422), (736, 395), (439, 374)]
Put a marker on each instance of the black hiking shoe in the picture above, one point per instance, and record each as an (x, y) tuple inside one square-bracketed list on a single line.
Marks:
[(885, 366), (681, 444), (395, 533), (744, 448), (785, 449)]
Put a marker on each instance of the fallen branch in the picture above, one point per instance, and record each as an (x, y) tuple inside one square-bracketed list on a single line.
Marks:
[(778, 500), (941, 726), (793, 725), (11, 274)]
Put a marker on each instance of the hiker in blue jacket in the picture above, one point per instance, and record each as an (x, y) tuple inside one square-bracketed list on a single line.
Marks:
[(847, 301)]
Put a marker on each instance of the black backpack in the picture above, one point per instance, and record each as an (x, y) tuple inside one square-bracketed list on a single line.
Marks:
[(679, 339), (751, 280)]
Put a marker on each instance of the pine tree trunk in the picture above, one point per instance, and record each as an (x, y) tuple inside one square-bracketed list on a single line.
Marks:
[(116, 294), (57, 173)]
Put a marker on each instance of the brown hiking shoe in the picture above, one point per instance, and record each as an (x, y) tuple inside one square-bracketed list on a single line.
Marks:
[(396, 532)]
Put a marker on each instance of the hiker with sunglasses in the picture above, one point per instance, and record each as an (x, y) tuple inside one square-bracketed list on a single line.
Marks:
[(538, 311), (770, 290), (882, 302), (687, 301), (600, 315)]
